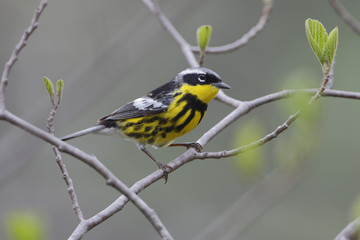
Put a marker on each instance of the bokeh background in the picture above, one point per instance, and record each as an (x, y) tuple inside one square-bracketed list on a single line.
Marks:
[(110, 52)]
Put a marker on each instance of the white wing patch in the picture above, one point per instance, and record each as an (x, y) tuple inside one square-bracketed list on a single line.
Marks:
[(146, 103)]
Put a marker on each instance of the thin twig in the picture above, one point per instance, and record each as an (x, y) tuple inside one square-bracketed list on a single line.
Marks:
[(201, 59), (61, 164), (345, 15), (154, 7), (246, 37), (188, 50), (256, 144), (16, 51), (69, 184), (222, 97)]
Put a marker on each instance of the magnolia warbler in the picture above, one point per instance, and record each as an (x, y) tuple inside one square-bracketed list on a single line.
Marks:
[(163, 114)]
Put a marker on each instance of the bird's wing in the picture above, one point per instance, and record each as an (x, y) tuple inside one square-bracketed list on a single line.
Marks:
[(155, 102), (140, 107)]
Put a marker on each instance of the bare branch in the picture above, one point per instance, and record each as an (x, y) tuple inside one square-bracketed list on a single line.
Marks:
[(222, 97), (350, 232), (256, 144), (93, 162), (246, 37), (61, 164), (190, 155), (154, 7), (69, 184), (16, 51), (345, 15), (188, 50)]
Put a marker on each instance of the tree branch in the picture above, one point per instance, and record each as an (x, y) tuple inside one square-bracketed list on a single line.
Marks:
[(154, 7), (188, 50), (345, 15), (246, 37), (61, 164), (16, 51)]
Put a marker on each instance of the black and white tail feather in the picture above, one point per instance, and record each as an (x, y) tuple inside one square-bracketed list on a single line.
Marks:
[(86, 131)]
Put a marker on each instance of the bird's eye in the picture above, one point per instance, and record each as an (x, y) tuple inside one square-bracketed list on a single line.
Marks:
[(202, 78)]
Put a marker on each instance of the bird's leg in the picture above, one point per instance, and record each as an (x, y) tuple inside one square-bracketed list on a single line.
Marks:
[(166, 169), (188, 145)]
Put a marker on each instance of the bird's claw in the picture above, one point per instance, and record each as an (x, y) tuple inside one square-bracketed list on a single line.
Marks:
[(194, 145), (166, 169)]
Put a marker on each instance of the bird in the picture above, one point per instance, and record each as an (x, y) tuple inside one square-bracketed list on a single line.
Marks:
[(164, 114)]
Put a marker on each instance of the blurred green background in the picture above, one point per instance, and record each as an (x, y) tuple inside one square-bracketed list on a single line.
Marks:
[(110, 52)]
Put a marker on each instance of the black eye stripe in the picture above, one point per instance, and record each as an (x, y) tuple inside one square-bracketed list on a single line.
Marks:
[(200, 79)]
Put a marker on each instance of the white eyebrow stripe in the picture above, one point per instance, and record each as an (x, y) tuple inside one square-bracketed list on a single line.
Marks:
[(192, 71)]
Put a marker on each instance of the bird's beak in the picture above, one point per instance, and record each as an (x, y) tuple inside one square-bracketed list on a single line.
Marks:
[(221, 85)]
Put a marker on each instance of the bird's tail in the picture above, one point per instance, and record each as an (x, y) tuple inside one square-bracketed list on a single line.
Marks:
[(83, 132)]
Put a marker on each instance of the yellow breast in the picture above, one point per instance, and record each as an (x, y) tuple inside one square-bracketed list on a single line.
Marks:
[(183, 115)]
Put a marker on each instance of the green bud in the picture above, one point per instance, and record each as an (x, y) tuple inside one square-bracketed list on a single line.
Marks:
[(203, 37), (50, 88), (59, 88)]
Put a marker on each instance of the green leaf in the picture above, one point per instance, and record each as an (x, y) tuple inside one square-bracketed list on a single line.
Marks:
[(331, 45), (50, 88), (203, 37), (24, 226), (323, 45), (317, 36), (59, 88)]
